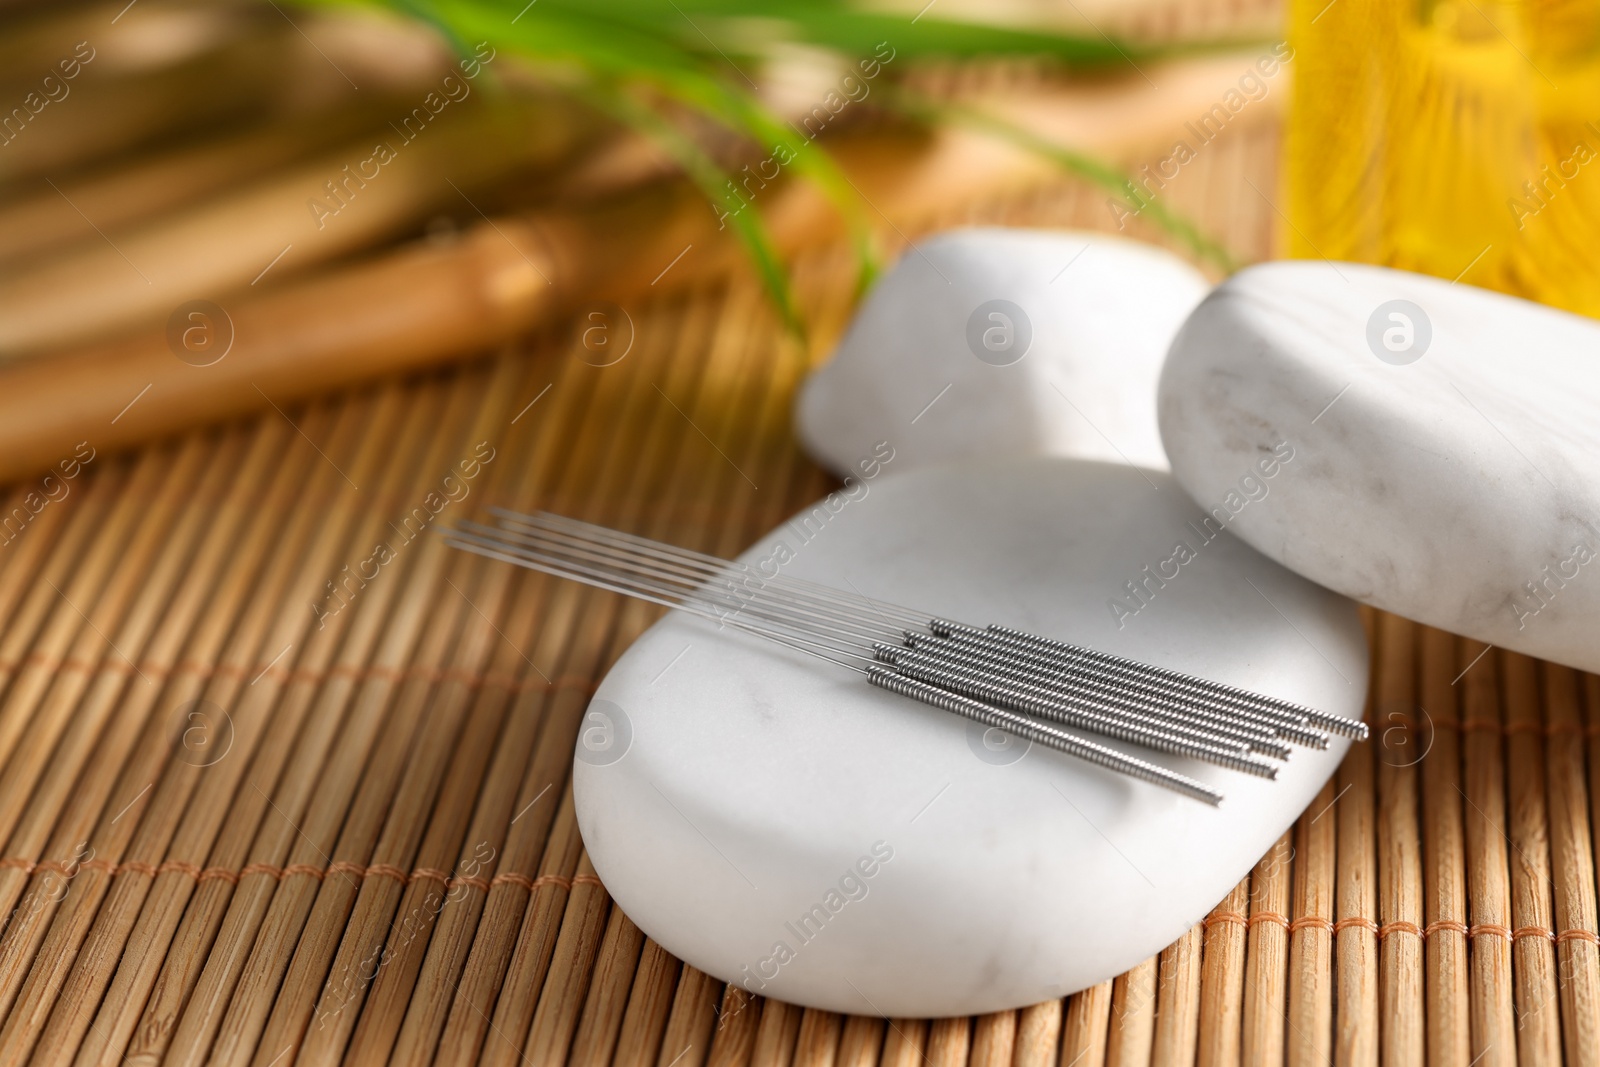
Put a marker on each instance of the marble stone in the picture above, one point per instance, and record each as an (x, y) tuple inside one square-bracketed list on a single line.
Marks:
[(1445, 442), (1068, 368), (727, 788)]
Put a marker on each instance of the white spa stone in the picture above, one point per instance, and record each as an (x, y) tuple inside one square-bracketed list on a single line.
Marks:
[(1090, 320), (1448, 472), (724, 786)]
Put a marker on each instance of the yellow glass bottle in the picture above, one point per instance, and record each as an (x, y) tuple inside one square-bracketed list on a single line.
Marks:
[(1460, 138)]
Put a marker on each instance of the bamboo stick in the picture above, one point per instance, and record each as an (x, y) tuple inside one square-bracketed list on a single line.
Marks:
[(188, 844), (466, 1007), (1355, 949), (512, 1010), (1590, 686), (50, 998), (644, 1022), (752, 386), (1178, 1002), (427, 1002), (816, 1045), (561, 998), (687, 1041), (110, 110), (422, 305), (207, 917), (1572, 865), (318, 678), (423, 826), (48, 547), (422, 995), (1494, 1034), (1222, 979), (60, 743), (186, 831), (1402, 735), (122, 194), (530, 886), (60, 788), (860, 1042), (632, 619), (775, 1039), (597, 643), (1310, 1021), (1533, 950), (1444, 865), (1131, 1034), (525, 881), (37, 837), (1262, 1014), (615, 965), (994, 1039), (95, 583), (635, 616), (79, 701), (949, 1041), (318, 210), (22, 559), (1084, 1030), (902, 1044), (421, 632), (382, 627), (738, 1017), (1039, 1033)]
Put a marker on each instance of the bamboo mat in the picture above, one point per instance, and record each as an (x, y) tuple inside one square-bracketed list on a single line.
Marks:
[(240, 828)]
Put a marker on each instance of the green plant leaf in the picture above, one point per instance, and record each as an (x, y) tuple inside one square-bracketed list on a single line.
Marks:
[(671, 48), (1203, 247), (713, 183)]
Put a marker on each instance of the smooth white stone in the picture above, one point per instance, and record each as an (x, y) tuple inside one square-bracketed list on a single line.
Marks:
[(1102, 311), (1440, 489), (748, 779)]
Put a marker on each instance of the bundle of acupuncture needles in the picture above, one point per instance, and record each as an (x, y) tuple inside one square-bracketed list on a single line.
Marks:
[(1026, 685)]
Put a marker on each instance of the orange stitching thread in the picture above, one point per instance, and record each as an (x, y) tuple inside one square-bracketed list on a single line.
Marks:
[(1315, 922), (346, 867), (1533, 931), (551, 879), (1489, 929), (1446, 925), (211, 874), (430, 874), (262, 868), (512, 878), (25, 866), (586, 879), (1355, 922), (181, 867), (316, 872), (1230, 917), (1399, 926), (476, 883), (137, 867), (1270, 917), (384, 870), (1577, 935)]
